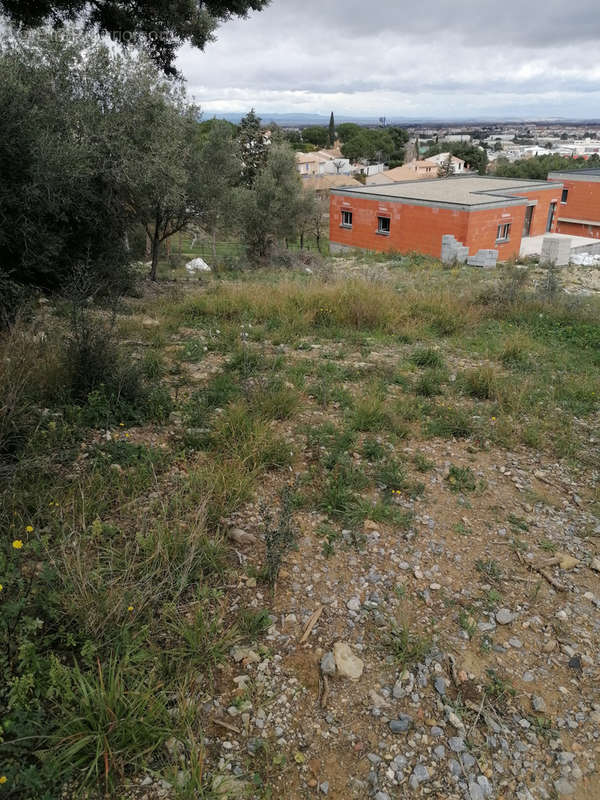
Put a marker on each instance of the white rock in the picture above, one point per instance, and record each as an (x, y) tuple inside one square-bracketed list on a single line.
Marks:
[(197, 265), (348, 665)]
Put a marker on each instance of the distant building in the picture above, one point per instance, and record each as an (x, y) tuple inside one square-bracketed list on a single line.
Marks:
[(579, 210), (323, 183), (479, 211), (407, 172), (322, 162), (458, 165)]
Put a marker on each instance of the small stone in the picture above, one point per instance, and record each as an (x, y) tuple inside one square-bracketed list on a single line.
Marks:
[(504, 616), (475, 791), (239, 536), (456, 744), (440, 685), (324, 787), (567, 562), (245, 654), (382, 796), (595, 564), (348, 665), (468, 761), (563, 787), (538, 703), (439, 751), (402, 724), (528, 676), (353, 604), (486, 786), (420, 775), (328, 664), (228, 787)]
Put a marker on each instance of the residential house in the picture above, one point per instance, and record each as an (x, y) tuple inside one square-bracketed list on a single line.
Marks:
[(458, 165), (407, 172), (322, 162), (480, 211), (579, 210)]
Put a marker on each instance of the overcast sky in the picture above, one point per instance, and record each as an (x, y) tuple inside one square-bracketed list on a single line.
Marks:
[(440, 59)]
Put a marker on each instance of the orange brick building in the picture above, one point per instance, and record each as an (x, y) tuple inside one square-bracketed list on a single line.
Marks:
[(481, 212), (579, 210)]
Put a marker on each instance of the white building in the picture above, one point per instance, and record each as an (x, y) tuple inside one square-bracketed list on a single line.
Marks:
[(458, 165)]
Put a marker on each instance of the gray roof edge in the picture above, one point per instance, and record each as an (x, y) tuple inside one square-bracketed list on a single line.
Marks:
[(509, 200), (576, 175)]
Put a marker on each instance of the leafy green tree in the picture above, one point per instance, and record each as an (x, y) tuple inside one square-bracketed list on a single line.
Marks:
[(66, 158), (218, 174), (446, 168), (164, 192), (253, 147), (346, 130), (372, 145), (331, 141), (538, 167), (270, 211), (307, 208), (159, 26), (317, 135)]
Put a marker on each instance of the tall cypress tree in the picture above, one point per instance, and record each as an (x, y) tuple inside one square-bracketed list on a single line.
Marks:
[(331, 130)]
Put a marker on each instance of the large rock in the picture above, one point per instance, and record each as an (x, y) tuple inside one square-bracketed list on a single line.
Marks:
[(348, 665), (197, 265)]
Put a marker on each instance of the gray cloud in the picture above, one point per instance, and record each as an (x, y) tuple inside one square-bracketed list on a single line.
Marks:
[(454, 58)]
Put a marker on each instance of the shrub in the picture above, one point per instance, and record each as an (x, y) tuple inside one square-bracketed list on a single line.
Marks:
[(481, 383), (448, 422), (238, 433), (427, 357), (88, 743), (461, 479), (430, 383)]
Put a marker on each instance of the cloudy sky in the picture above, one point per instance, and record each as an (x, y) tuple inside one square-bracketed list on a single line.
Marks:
[(440, 59)]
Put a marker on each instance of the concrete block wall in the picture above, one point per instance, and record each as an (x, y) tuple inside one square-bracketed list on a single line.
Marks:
[(453, 251), (484, 258), (556, 251)]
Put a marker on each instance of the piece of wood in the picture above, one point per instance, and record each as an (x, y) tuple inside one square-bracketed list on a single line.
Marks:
[(325, 692), (314, 618), (227, 726), (544, 573)]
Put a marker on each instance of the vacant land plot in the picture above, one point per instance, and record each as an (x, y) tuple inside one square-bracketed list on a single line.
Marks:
[(341, 539)]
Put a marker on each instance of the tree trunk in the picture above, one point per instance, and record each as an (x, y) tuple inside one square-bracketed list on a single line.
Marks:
[(302, 241), (214, 246), (155, 252)]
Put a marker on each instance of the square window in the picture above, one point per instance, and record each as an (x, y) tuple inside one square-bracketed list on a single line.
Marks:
[(346, 219), (503, 234), (564, 196), (383, 225)]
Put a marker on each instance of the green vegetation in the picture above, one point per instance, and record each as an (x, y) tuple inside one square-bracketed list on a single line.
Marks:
[(127, 452)]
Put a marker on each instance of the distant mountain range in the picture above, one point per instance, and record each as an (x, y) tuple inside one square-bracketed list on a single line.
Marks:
[(298, 119)]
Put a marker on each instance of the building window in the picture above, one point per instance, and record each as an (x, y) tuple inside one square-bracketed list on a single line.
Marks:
[(503, 232), (564, 196), (383, 225), (346, 219)]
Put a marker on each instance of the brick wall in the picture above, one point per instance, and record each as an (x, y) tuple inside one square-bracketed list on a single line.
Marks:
[(411, 227), (583, 202)]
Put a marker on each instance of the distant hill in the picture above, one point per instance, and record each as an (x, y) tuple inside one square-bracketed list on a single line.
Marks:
[(298, 119)]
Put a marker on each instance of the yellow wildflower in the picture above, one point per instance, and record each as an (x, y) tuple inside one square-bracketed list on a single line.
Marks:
[(18, 544), (129, 608), (29, 529), (1, 587), (3, 778)]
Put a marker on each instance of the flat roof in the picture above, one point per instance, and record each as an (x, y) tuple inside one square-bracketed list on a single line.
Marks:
[(460, 190), (592, 174)]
